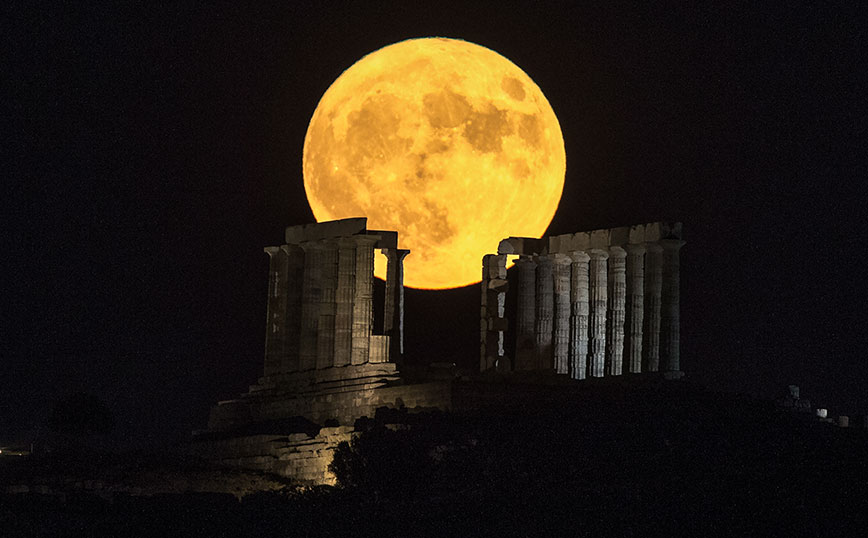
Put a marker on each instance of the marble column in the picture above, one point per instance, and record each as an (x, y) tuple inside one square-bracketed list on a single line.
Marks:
[(544, 314), (635, 307), (363, 299), (597, 299), (344, 295), (325, 345), (617, 290), (526, 313), (561, 339), (276, 310), (670, 329), (311, 295), (292, 334), (393, 317), (579, 315), (493, 323), (651, 321)]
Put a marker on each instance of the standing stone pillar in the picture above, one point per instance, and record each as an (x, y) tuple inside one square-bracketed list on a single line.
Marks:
[(651, 322), (311, 294), (493, 323), (363, 300), (597, 305), (525, 326), (561, 344), (579, 315), (294, 278), (671, 305), (544, 313), (325, 345), (344, 295), (276, 310), (635, 307), (617, 289), (393, 317)]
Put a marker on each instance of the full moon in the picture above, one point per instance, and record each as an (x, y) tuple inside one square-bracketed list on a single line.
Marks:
[(445, 141)]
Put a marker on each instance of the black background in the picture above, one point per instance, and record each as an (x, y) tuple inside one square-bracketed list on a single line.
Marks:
[(153, 151)]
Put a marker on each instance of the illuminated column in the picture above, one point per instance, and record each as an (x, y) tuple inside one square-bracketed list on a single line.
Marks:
[(651, 322), (544, 311), (579, 315), (344, 296), (393, 317), (635, 306), (561, 344), (294, 278), (311, 294), (597, 299), (276, 309), (493, 322), (670, 330), (325, 344), (363, 317), (617, 289), (525, 335)]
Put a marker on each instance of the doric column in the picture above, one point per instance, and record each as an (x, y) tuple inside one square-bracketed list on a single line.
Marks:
[(617, 289), (635, 307), (292, 334), (276, 309), (526, 313), (597, 300), (344, 295), (311, 294), (670, 330), (493, 322), (363, 313), (651, 321), (579, 315), (393, 317), (544, 313), (561, 343), (325, 345)]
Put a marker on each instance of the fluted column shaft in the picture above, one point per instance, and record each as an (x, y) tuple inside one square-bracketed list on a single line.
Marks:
[(525, 325), (598, 293), (561, 338), (344, 296), (651, 322), (311, 294), (635, 307), (579, 315), (325, 344), (671, 306), (363, 316), (292, 320), (276, 309), (617, 290), (393, 317), (544, 313)]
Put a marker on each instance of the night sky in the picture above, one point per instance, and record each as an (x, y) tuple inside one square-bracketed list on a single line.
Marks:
[(151, 153)]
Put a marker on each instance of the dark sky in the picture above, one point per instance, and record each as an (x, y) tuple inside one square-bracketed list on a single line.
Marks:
[(152, 152)]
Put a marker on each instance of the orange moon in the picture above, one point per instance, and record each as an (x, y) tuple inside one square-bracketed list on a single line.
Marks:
[(445, 141)]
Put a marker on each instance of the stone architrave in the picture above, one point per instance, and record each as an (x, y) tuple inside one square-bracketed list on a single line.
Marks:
[(393, 312), (363, 300), (525, 326), (617, 290), (579, 315), (311, 295), (651, 321), (670, 309), (561, 340), (344, 295), (597, 305), (635, 307), (276, 310), (544, 313), (294, 278), (325, 345)]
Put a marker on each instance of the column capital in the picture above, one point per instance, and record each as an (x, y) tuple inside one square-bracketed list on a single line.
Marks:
[(616, 252), (653, 246), (397, 254), (597, 254), (271, 251), (579, 256), (635, 249), (561, 259), (672, 244)]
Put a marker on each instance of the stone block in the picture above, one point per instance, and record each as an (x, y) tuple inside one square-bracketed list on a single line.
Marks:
[(325, 230)]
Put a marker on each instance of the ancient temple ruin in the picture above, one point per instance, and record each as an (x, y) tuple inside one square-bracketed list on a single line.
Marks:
[(588, 304)]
